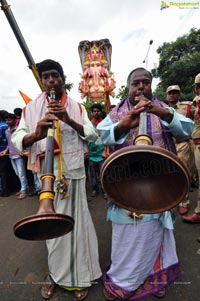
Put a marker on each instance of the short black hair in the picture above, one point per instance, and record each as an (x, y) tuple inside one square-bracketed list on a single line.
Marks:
[(96, 106), (3, 114), (48, 65), (10, 116), (17, 111), (139, 68)]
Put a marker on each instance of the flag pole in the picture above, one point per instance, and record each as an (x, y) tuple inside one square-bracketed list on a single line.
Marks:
[(11, 19)]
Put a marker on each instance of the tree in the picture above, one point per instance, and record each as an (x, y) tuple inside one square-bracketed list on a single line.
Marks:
[(179, 63), (122, 93), (88, 104), (68, 87)]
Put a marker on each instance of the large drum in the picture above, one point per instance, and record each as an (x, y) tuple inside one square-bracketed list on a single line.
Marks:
[(145, 179)]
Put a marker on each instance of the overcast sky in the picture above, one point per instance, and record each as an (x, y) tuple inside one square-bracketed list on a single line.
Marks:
[(54, 28)]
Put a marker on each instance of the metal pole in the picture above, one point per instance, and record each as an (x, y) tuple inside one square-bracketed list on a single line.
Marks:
[(11, 19), (146, 57)]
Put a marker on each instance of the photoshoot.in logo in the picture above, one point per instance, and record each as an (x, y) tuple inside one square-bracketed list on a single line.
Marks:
[(180, 5)]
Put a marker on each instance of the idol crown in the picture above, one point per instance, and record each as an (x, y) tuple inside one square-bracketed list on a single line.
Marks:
[(100, 51)]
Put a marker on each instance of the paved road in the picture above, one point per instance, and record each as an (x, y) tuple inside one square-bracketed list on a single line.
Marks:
[(24, 263)]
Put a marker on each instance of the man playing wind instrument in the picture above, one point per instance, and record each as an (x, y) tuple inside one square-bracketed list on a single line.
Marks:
[(143, 259), (73, 258)]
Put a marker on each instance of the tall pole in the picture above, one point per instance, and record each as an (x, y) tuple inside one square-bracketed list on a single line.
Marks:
[(11, 19), (146, 57)]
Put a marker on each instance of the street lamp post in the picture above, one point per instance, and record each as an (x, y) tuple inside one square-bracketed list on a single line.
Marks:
[(146, 57)]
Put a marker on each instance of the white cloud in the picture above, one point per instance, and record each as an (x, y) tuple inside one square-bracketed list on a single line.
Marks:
[(54, 28)]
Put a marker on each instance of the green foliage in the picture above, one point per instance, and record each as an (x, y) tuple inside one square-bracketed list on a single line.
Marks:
[(179, 63), (160, 93), (68, 87), (89, 102), (122, 93)]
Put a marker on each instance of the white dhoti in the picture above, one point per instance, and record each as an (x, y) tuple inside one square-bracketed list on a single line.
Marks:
[(143, 260), (73, 258)]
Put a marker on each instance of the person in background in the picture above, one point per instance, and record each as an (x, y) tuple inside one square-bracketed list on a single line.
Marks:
[(18, 114), (34, 182), (73, 259), (4, 159), (143, 257), (16, 157), (37, 183), (32, 177), (194, 217), (184, 149), (96, 150)]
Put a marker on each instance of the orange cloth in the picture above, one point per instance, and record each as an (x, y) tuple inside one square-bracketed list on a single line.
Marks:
[(25, 97)]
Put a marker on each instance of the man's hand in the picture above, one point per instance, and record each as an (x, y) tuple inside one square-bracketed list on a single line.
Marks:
[(3, 153), (41, 130), (131, 120), (24, 153), (150, 107), (43, 125), (59, 111)]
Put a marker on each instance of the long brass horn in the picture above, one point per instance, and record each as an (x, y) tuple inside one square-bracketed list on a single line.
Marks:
[(46, 223), (144, 178)]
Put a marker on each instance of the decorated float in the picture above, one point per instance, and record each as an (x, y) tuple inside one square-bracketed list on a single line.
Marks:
[(97, 81)]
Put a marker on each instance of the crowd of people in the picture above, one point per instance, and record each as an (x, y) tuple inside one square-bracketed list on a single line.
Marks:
[(13, 162), (82, 145)]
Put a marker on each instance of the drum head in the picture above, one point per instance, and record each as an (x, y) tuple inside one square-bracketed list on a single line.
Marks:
[(145, 179)]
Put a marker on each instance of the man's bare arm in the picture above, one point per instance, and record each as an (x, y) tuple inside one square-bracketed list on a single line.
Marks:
[(29, 140), (40, 131)]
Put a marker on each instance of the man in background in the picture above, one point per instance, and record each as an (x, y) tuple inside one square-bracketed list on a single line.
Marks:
[(184, 149), (194, 217), (4, 159), (96, 150), (16, 157)]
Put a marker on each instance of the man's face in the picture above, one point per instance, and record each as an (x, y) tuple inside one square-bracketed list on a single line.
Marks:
[(10, 121), (51, 79), (140, 84), (173, 96), (97, 114)]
